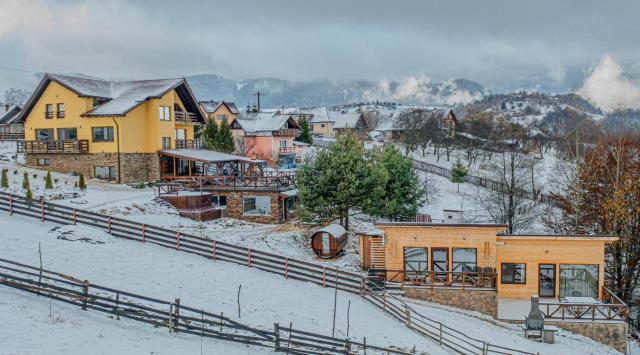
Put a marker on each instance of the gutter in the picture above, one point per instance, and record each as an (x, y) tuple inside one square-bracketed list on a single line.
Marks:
[(118, 149)]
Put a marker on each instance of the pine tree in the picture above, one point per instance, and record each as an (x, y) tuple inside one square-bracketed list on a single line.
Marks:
[(459, 173), (209, 135), (48, 182), (224, 138), (337, 180), (81, 183), (5, 179), (305, 135), (402, 193), (25, 181)]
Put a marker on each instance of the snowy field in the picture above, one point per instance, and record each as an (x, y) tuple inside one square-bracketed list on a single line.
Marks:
[(265, 298)]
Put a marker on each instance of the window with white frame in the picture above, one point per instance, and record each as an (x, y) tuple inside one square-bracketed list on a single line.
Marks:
[(165, 113)]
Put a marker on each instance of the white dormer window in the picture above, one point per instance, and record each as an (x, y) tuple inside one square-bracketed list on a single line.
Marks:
[(165, 113)]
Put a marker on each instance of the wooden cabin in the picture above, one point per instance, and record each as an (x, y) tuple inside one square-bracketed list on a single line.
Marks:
[(329, 241)]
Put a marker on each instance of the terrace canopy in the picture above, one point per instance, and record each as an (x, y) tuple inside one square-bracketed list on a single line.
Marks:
[(185, 163)]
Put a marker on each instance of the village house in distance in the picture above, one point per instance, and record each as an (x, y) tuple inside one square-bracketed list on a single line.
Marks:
[(220, 111), (105, 129)]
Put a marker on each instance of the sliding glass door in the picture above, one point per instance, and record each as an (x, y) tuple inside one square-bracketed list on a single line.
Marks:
[(578, 280)]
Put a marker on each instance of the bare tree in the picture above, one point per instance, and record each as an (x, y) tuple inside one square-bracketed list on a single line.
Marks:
[(13, 96)]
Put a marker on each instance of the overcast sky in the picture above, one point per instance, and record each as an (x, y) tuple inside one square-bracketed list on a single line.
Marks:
[(500, 44)]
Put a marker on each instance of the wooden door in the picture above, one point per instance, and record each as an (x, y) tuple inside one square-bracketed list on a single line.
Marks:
[(366, 252), (547, 280)]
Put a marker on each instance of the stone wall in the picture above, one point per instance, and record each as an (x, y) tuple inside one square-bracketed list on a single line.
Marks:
[(136, 167), (483, 301), (235, 208), (613, 334)]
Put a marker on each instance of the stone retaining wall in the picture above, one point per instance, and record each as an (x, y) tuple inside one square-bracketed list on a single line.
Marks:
[(235, 207), (613, 334), (136, 167), (483, 301)]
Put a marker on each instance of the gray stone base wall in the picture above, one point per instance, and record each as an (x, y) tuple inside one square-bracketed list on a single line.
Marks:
[(613, 334), (235, 207), (483, 301), (136, 167)]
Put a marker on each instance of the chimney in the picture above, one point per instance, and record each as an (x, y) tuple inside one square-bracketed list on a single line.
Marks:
[(452, 216)]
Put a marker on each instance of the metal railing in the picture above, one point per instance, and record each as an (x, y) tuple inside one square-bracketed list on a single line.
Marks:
[(54, 146)]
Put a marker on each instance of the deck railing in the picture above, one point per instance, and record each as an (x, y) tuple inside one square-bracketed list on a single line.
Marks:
[(258, 180), (287, 132), (449, 279), (287, 149), (188, 144), (54, 146), (8, 136), (185, 117), (611, 308)]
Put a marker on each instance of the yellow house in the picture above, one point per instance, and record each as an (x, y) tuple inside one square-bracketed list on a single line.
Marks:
[(220, 111), (107, 129)]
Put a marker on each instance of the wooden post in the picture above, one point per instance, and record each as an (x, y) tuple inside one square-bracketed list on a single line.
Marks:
[(110, 225), (170, 317), (364, 345), (276, 332), (221, 321), (406, 310), (286, 267), (440, 335), (177, 240), (485, 348), (177, 315), (42, 207), (117, 305), (11, 204), (214, 250), (324, 276), (75, 217), (143, 233), (249, 257), (85, 291)]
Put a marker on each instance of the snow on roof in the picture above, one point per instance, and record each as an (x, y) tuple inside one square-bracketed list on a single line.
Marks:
[(123, 96), (344, 120), (320, 114), (11, 115), (212, 106), (290, 193), (303, 144), (206, 155), (334, 229), (388, 123), (262, 122)]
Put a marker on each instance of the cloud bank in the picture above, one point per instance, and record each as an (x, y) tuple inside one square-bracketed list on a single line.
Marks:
[(609, 88)]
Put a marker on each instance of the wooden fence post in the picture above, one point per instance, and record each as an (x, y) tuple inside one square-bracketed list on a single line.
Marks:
[(440, 335), (11, 204), (276, 340), (214, 250), (85, 291), (364, 345), (286, 267), (75, 217), (249, 257), (324, 276), (408, 313), (143, 233), (117, 305), (177, 240), (485, 348), (42, 207), (177, 315), (170, 317)]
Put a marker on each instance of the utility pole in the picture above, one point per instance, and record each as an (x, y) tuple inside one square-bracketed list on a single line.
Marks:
[(258, 94)]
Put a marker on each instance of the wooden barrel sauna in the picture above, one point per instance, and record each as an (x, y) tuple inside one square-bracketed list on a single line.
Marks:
[(329, 241)]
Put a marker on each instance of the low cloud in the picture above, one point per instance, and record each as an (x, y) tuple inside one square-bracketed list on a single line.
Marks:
[(419, 89), (609, 88)]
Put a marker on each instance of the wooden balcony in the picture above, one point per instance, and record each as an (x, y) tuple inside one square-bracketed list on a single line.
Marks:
[(287, 150), (11, 136), (188, 144), (289, 132), (60, 114), (51, 146), (185, 117), (48, 115)]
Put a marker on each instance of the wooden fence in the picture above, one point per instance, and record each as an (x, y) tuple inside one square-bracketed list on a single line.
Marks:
[(175, 316), (215, 250)]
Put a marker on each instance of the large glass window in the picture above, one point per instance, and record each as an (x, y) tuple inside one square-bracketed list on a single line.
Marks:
[(578, 280), (166, 142), (102, 134), (256, 205), (44, 134), (105, 172), (415, 260), (67, 134), (464, 259), (513, 273)]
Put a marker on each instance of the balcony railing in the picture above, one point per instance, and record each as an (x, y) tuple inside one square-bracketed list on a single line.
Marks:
[(287, 150), (11, 136), (185, 117), (188, 144), (288, 132), (254, 180), (48, 114), (611, 308), (60, 114), (52, 146), (449, 279)]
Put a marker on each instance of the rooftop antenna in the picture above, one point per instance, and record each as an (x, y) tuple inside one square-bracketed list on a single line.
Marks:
[(258, 94)]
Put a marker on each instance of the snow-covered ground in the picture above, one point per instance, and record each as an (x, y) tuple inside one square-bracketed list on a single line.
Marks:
[(265, 298)]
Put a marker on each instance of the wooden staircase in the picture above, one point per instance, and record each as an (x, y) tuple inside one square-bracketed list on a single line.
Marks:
[(377, 253)]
